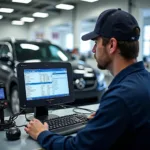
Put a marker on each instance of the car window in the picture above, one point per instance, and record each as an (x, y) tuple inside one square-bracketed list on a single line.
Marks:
[(5, 51), (57, 54), (45, 52), (0, 50), (29, 51)]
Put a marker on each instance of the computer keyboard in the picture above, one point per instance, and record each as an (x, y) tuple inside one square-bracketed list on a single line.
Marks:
[(67, 124)]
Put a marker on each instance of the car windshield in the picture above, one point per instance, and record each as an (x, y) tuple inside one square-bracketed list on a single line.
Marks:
[(40, 51)]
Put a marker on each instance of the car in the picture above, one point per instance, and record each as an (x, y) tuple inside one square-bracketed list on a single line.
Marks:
[(88, 82)]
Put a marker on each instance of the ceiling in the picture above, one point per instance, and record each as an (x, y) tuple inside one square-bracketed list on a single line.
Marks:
[(26, 10)]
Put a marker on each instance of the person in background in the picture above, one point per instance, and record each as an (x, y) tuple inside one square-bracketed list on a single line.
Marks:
[(122, 121)]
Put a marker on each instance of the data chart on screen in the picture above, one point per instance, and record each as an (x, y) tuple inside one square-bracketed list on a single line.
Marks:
[(46, 83)]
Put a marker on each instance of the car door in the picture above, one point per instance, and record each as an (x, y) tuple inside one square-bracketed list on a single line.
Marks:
[(6, 58)]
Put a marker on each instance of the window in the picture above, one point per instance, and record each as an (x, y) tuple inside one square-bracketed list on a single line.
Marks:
[(69, 41), (146, 42), (1, 50), (85, 46), (4, 51), (30, 51), (57, 54)]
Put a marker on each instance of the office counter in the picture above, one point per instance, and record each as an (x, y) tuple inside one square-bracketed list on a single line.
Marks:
[(27, 143)]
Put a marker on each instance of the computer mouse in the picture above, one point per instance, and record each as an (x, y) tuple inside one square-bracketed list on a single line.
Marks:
[(13, 133)]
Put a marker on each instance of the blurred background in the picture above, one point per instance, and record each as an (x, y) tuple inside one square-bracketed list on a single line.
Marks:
[(61, 23)]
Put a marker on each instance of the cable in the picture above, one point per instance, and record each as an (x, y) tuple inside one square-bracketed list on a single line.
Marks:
[(85, 109), (75, 108), (20, 126), (23, 110), (15, 116), (66, 106), (7, 123), (27, 118)]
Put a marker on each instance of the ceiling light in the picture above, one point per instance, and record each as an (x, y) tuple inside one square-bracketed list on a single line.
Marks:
[(91, 1), (27, 19), (16, 22), (1, 16), (64, 6), (40, 15), (6, 10), (22, 1)]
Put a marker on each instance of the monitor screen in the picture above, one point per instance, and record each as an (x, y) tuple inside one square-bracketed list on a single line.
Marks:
[(46, 83), (2, 94)]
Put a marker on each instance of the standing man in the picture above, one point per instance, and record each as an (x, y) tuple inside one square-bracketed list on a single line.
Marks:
[(122, 121)]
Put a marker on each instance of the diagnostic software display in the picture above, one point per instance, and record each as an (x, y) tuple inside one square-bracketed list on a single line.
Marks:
[(46, 83)]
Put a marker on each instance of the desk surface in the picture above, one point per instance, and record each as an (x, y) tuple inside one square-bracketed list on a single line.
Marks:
[(25, 142)]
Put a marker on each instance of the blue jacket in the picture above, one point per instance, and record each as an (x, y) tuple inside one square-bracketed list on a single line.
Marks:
[(122, 121)]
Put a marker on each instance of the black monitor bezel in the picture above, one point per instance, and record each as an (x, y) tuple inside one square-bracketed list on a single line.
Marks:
[(44, 102)]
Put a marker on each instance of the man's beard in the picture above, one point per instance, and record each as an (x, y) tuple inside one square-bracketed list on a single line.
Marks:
[(100, 66)]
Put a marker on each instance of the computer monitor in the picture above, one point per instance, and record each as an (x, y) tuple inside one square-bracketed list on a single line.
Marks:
[(2, 93), (44, 84)]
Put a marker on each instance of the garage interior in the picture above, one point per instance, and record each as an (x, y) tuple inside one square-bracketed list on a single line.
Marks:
[(55, 28)]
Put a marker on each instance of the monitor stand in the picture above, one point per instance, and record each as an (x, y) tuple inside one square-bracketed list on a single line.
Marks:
[(41, 113)]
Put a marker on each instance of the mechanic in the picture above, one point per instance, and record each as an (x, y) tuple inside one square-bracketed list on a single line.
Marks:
[(122, 121)]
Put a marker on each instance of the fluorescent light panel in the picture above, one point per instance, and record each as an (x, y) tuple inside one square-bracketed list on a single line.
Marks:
[(40, 15), (65, 6), (27, 19), (17, 22), (6, 10), (22, 1), (91, 1), (1, 16)]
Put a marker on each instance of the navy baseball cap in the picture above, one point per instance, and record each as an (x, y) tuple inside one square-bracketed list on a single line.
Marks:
[(115, 23)]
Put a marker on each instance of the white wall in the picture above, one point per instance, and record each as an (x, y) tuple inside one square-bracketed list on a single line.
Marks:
[(8, 30)]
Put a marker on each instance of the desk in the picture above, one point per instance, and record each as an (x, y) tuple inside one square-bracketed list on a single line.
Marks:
[(25, 142)]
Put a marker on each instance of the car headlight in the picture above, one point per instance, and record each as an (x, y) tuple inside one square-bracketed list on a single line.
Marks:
[(101, 81), (100, 77)]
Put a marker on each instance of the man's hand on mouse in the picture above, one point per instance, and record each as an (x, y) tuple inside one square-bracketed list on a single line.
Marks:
[(35, 127)]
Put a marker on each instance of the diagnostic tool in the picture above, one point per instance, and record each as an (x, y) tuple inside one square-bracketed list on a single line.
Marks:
[(4, 124)]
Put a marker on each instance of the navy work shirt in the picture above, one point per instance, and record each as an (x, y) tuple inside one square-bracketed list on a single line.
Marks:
[(122, 121)]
